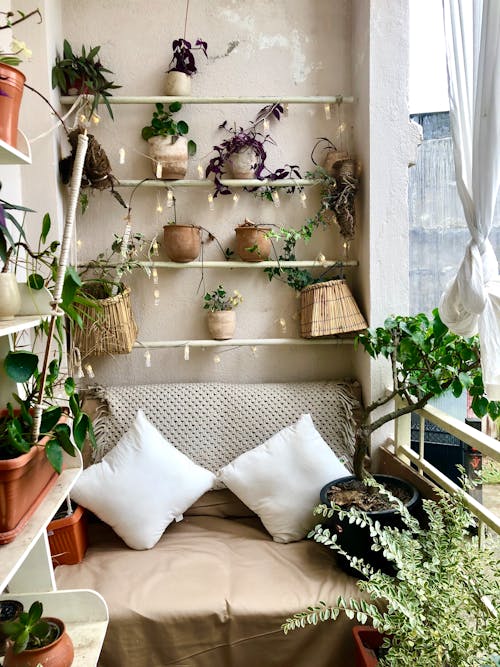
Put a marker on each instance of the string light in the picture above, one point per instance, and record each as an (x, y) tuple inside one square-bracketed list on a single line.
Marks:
[(285, 109), (328, 112), (156, 294), (79, 243), (125, 239), (320, 258), (276, 198), (147, 358), (211, 205), (95, 118), (265, 124), (170, 198), (282, 323), (154, 273), (121, 155), (201, 173), (254, 350), (303, 199), (236, 198), (154, 248), (90, 371), (159, 169), (216, 359), (186, 352), (83, 119)]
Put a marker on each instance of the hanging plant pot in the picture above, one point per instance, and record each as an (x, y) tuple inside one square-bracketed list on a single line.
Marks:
[(59, 653), (252, 244), (367, 641), (11, 91), (222, 324), (170, 156), (243, 163), (109, 327), (329, 308), (10, 298), (182, 242), (177, 84), (332, 156)]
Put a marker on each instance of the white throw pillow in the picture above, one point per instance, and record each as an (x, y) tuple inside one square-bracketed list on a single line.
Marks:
[(280, 480), (141, 485)]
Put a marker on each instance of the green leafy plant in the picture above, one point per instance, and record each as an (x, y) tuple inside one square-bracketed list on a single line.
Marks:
[(163, 125), (441, 608), (86, 73), (30, 630), (19, 50), (219, 299)]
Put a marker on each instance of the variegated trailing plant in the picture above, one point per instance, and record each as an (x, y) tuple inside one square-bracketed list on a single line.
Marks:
[(442, 609)]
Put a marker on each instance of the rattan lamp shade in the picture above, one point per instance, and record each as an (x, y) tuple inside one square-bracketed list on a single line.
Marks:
[(329, 308)]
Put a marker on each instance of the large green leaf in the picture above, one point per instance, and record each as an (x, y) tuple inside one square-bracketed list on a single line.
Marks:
[(54, 453), (50, 418), (63, 436), (80, 429), (20, 365)]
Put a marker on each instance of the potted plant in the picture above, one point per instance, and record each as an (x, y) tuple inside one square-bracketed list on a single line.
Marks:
[(442, 607), (83, 74), (37, 640), (11, 79), (67, 534), (252, 241), (221, 316), (168, 147), (183, 66)]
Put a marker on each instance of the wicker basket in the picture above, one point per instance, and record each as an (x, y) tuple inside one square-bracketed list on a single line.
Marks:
[(108, 329), (329, 308)]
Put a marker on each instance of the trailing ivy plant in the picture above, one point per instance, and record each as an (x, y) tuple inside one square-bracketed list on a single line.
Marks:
[(442, 609)]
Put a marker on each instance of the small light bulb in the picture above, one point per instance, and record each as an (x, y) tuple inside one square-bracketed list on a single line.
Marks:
[(282, 323), (236, 198), (79, 243), (80, 373), (156, 294), (90, 371), (200, 171), (211, 205), (121, 156), (320, 258), (216, 359), (303, 199), (342, 127), (254, 350), (154, 273), (159, 169), (186, 352), (265, 124), (147, 358), (154, 248), (170, 198), (285, 109), (276, 198), (95, 118), (328, 112), (159, 207)]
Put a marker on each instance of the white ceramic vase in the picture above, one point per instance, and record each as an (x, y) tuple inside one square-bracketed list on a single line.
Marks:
[(177, 84), (10, 299), (170, 156)]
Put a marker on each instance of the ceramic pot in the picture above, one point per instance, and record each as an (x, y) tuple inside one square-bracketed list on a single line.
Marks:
[(221, 324), (68, 539), (182, 242), (34, 301), (10, 298), (177, 84), (170, 156), (252, 237), (11, 86), (366, 641), (243, 163), (59, 653)]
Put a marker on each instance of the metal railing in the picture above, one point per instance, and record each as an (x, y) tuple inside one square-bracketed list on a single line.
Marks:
[(480, 441)]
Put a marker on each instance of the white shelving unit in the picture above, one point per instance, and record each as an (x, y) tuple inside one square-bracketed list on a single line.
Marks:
[(26, 571)]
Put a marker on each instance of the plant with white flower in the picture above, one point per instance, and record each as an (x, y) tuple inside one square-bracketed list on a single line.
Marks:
[(18, 50)]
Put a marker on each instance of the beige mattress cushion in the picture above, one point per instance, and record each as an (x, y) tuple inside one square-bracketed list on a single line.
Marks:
[(213, 592)]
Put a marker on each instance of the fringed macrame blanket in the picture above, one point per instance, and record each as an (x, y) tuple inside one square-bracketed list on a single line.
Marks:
[(213, 423)]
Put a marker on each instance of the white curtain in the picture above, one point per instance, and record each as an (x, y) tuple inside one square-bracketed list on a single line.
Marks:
[(471, 301)]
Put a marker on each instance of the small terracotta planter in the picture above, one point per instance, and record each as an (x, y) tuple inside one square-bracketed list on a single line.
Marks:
[(252, 244), (366, 642), (182, 242), (170, 156), (11, 86), (59, 653), (243, 163), (222, 324), (10, 297), (68, 538), (177, 84)]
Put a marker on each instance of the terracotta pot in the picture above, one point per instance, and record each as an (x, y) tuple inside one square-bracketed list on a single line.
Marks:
[(59, 653), (182, 242), (243, 163), (221, 324), (366, 641), (252, 237), (11, 89), (177, 84), (170, 156), (10, 298), (68, 538)]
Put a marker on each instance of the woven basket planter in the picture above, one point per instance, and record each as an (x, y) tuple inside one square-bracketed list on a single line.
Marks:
[(327, 309), (109, 328)]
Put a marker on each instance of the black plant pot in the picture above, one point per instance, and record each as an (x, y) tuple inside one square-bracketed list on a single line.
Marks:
[(355, 540)]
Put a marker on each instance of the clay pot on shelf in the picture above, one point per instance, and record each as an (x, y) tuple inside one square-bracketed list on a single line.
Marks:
[(182, 243), (366, 642), (59, 653), (243, 163), (222, 324), (169, 155), (68, 539), (177, 84), (10, 298), (11, 91), (252, 244)]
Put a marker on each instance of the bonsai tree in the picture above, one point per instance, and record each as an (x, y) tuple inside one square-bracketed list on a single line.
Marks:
[(183, 57), (85, 73), (427, 359), (442, 607)]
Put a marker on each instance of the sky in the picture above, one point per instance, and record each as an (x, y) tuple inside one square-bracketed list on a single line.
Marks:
[(428, 83)]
